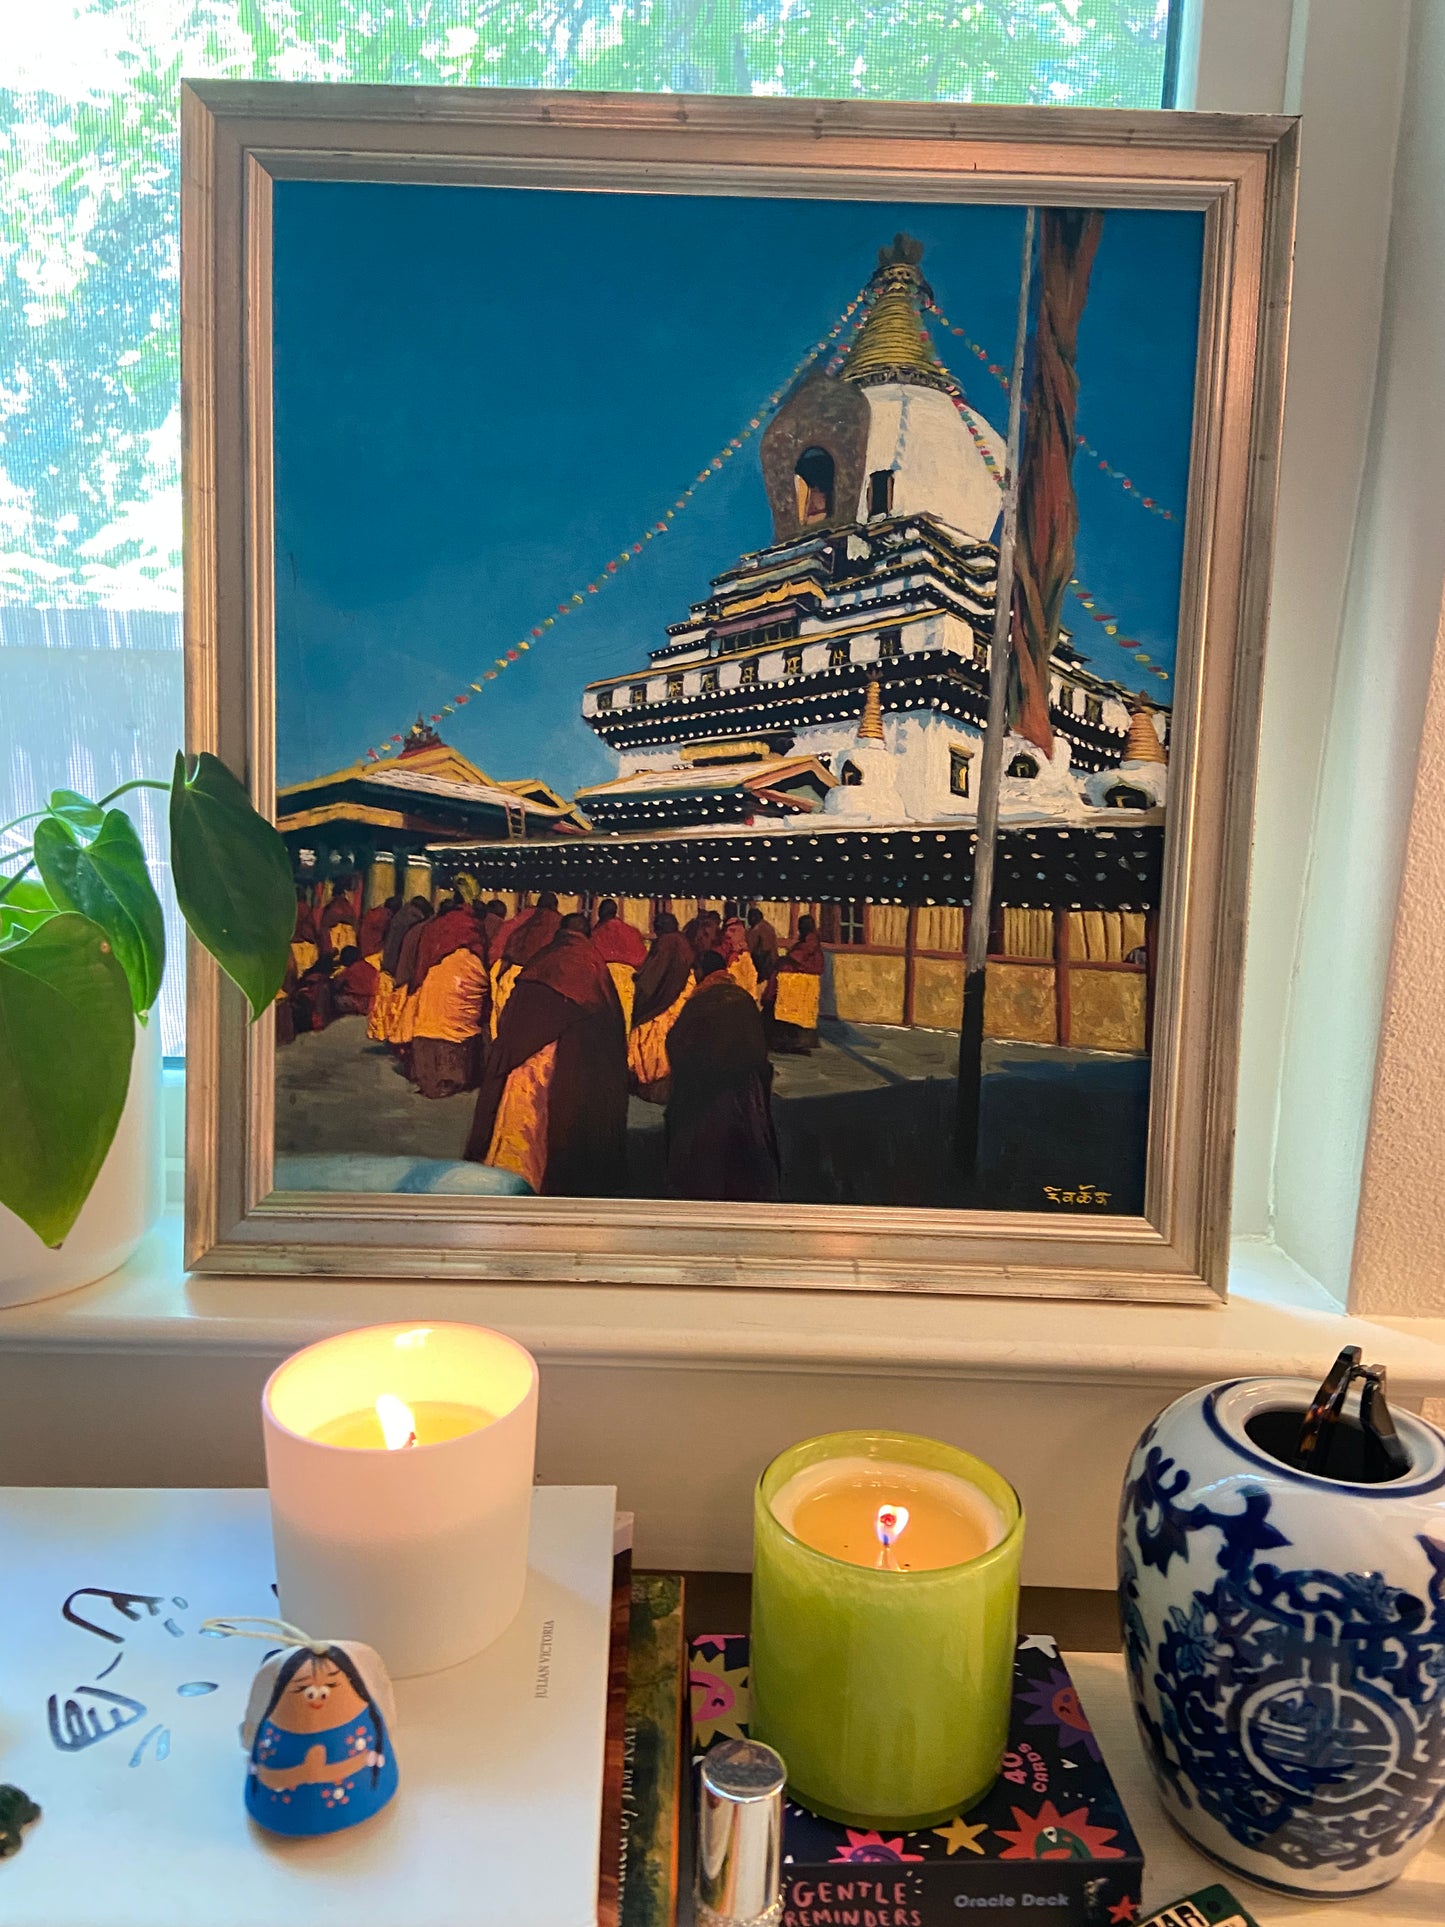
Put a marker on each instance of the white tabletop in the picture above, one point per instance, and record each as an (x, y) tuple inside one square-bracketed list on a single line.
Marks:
[(1172, 1868)]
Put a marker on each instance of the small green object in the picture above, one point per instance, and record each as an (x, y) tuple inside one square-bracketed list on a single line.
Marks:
[(104, 877), (66, 1037), (17, 1810), (82, 951), (1209, 1907), (233, 877)]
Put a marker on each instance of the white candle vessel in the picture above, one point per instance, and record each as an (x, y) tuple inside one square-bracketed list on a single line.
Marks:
[(409, 1535)]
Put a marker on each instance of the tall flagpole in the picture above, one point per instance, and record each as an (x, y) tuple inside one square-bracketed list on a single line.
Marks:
[(970, 1048)]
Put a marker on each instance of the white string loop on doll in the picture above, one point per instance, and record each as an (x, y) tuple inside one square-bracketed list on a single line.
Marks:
[(256, 1626)]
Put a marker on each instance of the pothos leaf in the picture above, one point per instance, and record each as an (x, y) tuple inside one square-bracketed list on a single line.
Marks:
[(107, 881), (66, 1036), (233, 877), (77, 812), (25, 907)]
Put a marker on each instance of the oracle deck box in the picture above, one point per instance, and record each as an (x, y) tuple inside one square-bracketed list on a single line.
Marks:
[(1049, 1846)]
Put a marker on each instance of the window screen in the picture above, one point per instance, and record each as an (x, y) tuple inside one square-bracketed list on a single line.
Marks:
[(90, 522)]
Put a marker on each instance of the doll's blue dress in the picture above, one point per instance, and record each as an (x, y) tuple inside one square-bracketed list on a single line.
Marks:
[(320, 1806)]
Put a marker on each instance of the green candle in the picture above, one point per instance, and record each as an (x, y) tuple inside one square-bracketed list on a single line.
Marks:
[(885, 1612)]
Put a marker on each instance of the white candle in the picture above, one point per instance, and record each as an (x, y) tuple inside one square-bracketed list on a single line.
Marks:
[(400, 1463)]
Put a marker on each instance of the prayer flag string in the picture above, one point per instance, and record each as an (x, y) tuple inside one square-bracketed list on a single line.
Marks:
[(834, 344), (1084, 596), (1000, 375)]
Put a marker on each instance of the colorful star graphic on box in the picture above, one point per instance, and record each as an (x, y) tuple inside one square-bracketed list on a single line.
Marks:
[(960, 1837), (1051, 1835), (872, 1847), (1056, 1704)]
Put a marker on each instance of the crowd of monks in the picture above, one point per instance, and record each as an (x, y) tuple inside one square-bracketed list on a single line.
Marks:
[(554, 1020)]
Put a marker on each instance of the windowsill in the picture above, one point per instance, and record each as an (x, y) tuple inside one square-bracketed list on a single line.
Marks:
[(1277, 1321)]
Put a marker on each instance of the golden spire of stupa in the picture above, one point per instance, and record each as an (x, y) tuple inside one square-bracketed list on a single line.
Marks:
[(870, 730), (892, 339), (1143, 745)]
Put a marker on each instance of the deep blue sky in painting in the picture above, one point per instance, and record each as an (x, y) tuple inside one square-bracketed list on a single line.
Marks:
[(482, 394)]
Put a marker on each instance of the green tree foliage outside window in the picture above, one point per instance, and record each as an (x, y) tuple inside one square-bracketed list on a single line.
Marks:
[(89, 166)]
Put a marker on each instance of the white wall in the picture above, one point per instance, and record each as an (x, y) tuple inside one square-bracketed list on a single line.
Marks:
[(1400, 1241), (1340, 65), (1397, 567)]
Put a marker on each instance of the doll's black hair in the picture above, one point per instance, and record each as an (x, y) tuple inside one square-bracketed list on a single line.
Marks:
[(343, 1662)]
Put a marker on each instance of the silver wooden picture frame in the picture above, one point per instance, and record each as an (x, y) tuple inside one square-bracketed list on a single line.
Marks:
[(1173, 999)]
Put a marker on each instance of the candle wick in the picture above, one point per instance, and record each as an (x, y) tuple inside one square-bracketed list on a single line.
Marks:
[(889, 1525)]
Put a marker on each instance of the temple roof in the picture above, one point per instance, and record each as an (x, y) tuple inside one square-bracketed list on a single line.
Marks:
[(758, 775)]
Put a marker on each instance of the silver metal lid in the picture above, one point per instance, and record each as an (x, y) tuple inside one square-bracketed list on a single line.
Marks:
[(740, 1835)]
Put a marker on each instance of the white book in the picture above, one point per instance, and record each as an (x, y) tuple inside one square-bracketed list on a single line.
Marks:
[(121, 1720)]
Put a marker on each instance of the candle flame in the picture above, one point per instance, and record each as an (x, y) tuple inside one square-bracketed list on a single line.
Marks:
[(891, 1523), (398, 1426)]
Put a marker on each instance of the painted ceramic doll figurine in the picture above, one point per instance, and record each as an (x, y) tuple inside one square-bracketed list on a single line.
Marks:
[(318, 1730)]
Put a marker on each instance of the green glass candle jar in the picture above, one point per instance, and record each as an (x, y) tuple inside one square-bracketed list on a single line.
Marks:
[(882, 1674)]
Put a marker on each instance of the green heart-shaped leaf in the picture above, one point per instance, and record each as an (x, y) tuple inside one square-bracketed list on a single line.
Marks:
[(107, 881), (25, 907), (233, 878), (77, 812), (66, 1036)]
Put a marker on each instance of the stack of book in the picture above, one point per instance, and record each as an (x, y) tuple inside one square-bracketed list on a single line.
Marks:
[(1050, 1843)]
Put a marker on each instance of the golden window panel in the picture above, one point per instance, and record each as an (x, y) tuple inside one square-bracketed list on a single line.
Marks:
[(1028, 933), (940, 927), (888, 925)]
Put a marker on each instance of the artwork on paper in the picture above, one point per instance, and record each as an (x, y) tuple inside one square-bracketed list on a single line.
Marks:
[(636, 576)]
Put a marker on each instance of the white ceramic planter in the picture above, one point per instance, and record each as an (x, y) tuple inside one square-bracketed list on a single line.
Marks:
[(1285, 1635), (123, 1205)]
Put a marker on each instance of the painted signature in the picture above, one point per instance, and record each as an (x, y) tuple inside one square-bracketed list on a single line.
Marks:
[(1081, 1194)]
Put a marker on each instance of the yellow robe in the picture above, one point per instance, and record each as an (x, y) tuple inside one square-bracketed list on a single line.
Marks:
[(504, 975), (744, 974), (378, 1024), (403, 1017), (519, 1136), (647, 1045), (450, 1002), (303, 955), (799, 993), (341, 936), (625, 978)]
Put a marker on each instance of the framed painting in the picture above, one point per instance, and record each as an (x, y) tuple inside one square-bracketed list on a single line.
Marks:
[(747, 615)]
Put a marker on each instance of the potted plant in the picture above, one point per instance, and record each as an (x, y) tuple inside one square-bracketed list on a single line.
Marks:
[(82, 952)]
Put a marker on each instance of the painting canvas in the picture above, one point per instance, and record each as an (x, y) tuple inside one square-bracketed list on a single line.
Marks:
[(727, 655)]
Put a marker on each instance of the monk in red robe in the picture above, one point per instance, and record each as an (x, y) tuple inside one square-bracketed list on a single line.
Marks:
[(528, 932), (796, 991), (703, 932), (493, 915), (738, 959), (762, 945), (354, 984), (453, 996), (623, 949), (404, 997), (661, 988), (305, 936), (718, 1132), (389, 996), (553, 1102), (339, 920), (371, 935)]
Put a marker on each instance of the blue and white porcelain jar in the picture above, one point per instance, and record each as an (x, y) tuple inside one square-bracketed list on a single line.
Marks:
[(1285, 1636)]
